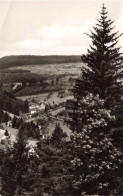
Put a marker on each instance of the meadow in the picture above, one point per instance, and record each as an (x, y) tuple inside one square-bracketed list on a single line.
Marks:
[(51, 69)]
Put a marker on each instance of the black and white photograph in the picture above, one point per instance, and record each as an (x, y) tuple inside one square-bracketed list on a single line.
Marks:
[(61, 97)]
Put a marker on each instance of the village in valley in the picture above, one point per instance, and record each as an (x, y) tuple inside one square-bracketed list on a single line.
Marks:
[(44, 110)]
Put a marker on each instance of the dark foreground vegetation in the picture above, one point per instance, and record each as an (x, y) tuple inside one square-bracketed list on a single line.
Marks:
[(90, 162)]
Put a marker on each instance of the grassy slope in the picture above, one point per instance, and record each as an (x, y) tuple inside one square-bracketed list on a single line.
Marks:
[(9, 61)]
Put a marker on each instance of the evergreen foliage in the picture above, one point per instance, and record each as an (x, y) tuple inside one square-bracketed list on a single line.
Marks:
[(4, 117), (1, 115), (14, 122), (96, 113), (58, 136), (14, 166), (51, 175), (30, 129), (96, 159), (104, 67), (11, 104)]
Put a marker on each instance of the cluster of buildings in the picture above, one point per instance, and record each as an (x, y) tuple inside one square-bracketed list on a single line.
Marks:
[(36, 108)]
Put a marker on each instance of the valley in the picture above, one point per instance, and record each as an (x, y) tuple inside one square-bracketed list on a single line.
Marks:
[(47, 84)]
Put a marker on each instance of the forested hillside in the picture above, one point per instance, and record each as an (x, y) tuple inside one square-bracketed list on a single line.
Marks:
[(9, 61), (11, 104)]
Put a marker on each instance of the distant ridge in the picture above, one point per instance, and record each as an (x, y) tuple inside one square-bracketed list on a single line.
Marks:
[(10, 61)]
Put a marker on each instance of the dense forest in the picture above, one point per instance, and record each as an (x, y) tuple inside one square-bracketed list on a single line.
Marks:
[(90, 161), (11, 104)]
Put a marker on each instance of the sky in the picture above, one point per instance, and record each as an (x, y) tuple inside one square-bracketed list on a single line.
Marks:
[(52, 27)]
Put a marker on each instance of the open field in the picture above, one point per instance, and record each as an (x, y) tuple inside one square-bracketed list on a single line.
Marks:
[(46, 78), (51, 69), (40, 78), (43, 97)]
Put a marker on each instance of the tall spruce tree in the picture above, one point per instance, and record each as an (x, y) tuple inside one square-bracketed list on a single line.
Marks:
[(58, 136), (103, 72), (90, 120)]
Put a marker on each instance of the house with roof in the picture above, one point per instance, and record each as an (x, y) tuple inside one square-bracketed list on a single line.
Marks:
[(36, 108), (4, 137)]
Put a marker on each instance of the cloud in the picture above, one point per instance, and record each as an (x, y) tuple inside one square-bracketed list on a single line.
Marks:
[(28, 44), (68, 33), (57, 39), (51, 28)]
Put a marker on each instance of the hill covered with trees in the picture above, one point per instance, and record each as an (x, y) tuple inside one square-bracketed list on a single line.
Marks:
[(10, 61)]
